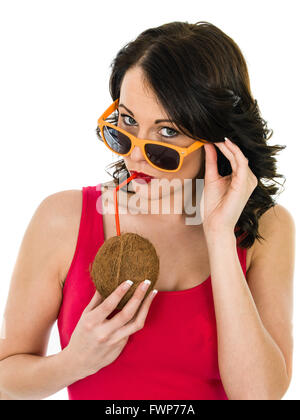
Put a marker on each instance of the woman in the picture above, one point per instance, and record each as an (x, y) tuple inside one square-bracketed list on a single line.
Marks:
[(220, 326)]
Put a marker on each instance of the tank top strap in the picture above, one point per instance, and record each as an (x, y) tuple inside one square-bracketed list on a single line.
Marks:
[(90, 238), (92, 234)]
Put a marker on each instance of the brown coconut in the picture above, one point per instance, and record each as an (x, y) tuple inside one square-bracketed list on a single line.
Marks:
[(125, 257)]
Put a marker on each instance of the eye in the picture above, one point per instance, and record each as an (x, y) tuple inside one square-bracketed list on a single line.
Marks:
[(174, 133), (127, 116)]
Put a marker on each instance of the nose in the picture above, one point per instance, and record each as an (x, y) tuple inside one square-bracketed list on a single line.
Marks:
[(137, 154)]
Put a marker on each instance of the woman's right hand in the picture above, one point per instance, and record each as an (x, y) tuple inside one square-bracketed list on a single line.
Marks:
[(96, 341)]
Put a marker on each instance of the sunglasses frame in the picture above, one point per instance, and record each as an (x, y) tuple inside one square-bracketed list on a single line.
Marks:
[(135, 141)]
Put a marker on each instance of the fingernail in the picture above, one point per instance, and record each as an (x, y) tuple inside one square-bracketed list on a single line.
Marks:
[(226, 139), (153, 293), (127, 284), (146, 284)]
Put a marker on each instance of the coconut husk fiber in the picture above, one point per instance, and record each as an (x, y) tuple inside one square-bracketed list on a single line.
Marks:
[(128, 256)]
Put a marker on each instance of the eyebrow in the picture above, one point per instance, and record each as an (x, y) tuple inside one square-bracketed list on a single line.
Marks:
[(131, 113)]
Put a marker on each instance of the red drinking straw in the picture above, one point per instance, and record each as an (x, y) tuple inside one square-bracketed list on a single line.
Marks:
[(116, 201)]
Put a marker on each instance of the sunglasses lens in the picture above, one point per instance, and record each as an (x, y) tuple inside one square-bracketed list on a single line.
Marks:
[(162, 157), (116, 140)]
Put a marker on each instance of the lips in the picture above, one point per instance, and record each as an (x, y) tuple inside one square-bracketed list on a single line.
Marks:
[(141, 175)]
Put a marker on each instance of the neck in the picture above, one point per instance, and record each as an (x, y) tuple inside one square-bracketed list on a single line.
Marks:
[(179, 207)]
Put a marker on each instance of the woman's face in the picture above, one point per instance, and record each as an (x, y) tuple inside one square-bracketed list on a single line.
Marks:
[(137, 97)]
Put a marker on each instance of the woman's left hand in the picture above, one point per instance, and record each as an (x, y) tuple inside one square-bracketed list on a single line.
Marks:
[(224, 198)]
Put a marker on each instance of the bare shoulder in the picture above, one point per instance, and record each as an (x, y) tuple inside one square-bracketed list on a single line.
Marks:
[(277, 217), (270, 277), (273, 256), (277, 227), (61, 204), (35, 292), (54, 228), (63, 213)]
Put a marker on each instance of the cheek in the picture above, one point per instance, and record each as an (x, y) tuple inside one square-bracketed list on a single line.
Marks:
[(191, 165)]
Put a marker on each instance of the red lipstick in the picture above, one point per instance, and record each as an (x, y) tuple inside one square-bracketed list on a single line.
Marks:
[(140, 175)]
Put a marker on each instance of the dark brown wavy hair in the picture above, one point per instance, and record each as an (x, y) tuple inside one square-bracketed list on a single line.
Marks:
[(201, 79)]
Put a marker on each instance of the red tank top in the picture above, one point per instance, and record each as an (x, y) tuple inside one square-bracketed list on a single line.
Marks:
[(174, 356)]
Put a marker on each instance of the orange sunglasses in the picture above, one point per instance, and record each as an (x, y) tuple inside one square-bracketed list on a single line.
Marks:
[(163, 156)]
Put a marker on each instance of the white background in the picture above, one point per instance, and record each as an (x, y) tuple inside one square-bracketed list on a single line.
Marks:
[(55, 67)]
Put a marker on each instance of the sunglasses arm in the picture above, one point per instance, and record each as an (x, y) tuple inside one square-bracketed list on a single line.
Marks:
[(109, 110)]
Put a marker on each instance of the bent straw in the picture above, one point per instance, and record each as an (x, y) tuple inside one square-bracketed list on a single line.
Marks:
[(116, 201)]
